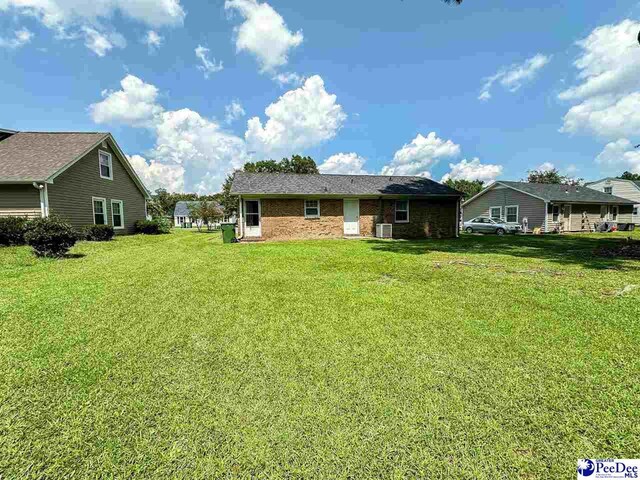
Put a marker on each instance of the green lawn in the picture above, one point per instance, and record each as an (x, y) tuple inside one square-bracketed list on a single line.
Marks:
[(178, 356)]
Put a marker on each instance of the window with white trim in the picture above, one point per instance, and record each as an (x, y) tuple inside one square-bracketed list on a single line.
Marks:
[(608, 190), (99, 211), (106, 165), (117, 214), (312, 209), (614, 213), (511, 213), (402, 211), (635, 210), (555, 213), (495, 213)]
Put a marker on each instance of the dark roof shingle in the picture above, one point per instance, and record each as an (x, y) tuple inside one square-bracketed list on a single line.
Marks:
[(35, 156), (566, 193), (325, 184)]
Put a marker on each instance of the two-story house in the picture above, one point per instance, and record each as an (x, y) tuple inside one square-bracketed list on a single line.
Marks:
[(621, 188), (81, 177)]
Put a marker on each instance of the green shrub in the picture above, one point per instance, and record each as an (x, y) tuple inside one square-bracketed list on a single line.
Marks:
[(12, 230), (156, 226), (50, 237), (98, 233)]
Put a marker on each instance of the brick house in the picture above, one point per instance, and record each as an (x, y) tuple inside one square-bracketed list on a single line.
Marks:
[(275, 206)]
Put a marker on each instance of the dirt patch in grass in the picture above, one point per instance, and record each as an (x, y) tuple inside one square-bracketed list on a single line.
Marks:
[(628, 248)]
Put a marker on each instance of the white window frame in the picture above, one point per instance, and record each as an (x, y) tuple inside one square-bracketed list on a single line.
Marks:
[(506, 213), (104, 207), (102, 152), (305, 208), (553, 207), (499, 208), (395, 214), (608, 188), (121, 214)]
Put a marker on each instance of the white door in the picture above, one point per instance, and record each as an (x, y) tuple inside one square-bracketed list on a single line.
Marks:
[(252, 218), (351, 216)]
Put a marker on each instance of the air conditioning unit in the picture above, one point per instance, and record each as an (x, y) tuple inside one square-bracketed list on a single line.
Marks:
[(384, 230)]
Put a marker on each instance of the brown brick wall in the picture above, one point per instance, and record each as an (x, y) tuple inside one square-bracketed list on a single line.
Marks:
[(283, 219)]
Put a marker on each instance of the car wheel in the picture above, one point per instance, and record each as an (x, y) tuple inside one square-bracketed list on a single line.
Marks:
[(500, 231), (468, 230)]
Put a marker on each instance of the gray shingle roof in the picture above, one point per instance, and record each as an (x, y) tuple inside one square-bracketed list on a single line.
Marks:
[(566, 193), (323, 184), (35, 156), (182, 208)]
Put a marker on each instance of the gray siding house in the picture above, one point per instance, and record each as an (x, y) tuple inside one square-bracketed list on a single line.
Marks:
[(548, 207), (620, 188), (82, 177)]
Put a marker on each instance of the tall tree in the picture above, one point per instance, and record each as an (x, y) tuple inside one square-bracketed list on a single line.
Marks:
[(468, 187), (551, 176), (296, 164), (630, 176), (229, 202)]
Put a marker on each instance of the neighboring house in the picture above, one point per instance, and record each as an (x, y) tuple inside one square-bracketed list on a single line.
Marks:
[(182, 214), (621, 188), (81, 177), (285, 206), (548, 206)]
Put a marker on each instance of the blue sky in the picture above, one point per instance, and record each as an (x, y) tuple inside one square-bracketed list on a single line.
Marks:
[(378, 87)]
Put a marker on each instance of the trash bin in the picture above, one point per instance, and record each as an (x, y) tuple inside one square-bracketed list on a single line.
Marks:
[(228, 232)]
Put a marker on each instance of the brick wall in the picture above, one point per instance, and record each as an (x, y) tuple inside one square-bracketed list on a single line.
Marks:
[(283, 219)]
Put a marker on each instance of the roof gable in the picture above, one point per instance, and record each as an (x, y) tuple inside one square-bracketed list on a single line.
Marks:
[(324, 184), (30, 156), (41, 156)]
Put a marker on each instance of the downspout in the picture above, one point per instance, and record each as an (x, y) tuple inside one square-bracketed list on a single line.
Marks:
[(44, 198), (458, 218), (546, 216), (240, 218)]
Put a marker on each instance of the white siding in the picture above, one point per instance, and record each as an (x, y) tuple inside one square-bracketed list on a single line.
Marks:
[(621, 188)]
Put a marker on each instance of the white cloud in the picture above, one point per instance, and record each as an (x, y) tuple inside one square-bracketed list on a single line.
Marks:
[(233, 111), (191, 152), (609, 81), (63, 13), (153, 40), (263, 33), (514, 76), (20, 37), (134, 105), (206, 152), (344, 163), (100, 43), (158, 175), (289, 78), (417, 157), (71, 19), (620, 155), (546, 166), (299, 119), (605, 116), (208, 66), (473, 170)]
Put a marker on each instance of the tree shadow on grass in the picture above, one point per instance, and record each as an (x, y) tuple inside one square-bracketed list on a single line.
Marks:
[(561, 249)]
